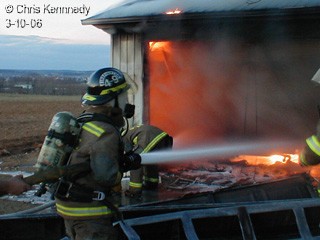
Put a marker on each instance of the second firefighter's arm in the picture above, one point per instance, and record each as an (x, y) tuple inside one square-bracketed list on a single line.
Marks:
[(310, 155), (14, 185)]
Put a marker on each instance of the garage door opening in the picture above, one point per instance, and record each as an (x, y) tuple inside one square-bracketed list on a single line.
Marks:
[(205, 91)]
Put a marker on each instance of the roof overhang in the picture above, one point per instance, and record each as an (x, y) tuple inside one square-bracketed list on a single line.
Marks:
[(138, 16)]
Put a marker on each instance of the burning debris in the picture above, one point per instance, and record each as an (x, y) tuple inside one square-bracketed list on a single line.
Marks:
[(241, 171)]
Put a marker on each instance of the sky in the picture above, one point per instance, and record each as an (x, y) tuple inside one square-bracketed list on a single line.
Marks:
[(36, 35)]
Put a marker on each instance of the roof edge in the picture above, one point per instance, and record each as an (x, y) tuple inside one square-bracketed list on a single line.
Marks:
[(280, 13)]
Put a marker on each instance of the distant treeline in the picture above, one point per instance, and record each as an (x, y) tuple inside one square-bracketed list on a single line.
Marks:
[(43, 82), (60, 73)]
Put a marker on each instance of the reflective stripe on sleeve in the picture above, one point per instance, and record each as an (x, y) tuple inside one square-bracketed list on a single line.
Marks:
[(153, 180), (303, 160), (135, 141), (154, 142), (83, 211), (135, 185), (314, 144), (93, 129)]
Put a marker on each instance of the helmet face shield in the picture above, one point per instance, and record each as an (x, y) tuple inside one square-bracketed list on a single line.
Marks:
[(122, 100), (132, 86), (103, 86)]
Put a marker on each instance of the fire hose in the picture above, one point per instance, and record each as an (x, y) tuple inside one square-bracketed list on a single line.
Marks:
[(29, 211)]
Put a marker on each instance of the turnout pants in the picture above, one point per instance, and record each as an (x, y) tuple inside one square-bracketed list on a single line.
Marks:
[(91, 229)]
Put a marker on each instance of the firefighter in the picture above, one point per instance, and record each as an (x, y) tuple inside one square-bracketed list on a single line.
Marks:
[(84, 200), (143, 139), (14, 185), (310, 155)]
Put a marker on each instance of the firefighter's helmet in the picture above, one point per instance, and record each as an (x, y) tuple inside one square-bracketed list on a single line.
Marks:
[(104, 85)]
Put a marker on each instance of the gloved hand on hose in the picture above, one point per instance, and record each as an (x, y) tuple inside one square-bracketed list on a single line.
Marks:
[(130, 161)]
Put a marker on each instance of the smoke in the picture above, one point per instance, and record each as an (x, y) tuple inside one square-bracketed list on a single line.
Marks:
[(219, 151), (210, 90)]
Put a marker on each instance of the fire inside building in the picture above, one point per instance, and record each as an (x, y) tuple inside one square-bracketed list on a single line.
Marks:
[(221, 73)]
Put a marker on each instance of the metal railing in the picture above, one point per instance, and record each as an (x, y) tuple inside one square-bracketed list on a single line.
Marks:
[(284, 219)]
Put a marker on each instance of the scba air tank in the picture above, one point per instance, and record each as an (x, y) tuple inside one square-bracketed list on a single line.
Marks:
[(62, 137)]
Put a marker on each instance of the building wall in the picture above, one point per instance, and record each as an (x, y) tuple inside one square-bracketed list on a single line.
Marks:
[(127, 55)]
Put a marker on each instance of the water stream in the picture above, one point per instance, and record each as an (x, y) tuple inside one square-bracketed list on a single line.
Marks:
[(220, 151)]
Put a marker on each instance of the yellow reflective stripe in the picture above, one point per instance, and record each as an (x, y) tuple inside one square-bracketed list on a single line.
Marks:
[(135, 185), (154, 142), (135, 140), (82, 211), (154, 180), (92, 128), (89, 97), (114, 89), (303, 159), (314, 144)]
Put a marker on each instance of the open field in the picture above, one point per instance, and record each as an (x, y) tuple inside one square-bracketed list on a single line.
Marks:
[(24, 119)]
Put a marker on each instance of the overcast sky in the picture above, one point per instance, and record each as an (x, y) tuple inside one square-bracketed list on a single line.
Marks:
[(38, 34)]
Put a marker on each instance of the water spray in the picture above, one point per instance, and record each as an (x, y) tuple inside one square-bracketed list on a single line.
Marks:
[(218, 151)]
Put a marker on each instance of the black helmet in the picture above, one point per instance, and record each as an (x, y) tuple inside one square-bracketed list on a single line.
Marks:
[(104, 85)]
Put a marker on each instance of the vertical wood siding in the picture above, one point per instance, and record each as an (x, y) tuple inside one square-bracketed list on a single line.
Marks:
[(127, 55)]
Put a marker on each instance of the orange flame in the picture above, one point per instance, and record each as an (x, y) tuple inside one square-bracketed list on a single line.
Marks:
[(268, 160), (175, 11), (157, 45), (284, 158)]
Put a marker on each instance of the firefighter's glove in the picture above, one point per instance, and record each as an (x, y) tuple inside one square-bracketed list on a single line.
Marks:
[(132, 194), (130, 161)]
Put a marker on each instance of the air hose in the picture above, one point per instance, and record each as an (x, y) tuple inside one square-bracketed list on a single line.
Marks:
[(28, 211)]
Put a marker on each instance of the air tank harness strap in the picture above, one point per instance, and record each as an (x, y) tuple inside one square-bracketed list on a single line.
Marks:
[(73, 192), (67, 137), (88, 117)]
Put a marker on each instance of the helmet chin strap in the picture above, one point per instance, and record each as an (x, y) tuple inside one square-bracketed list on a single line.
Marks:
[(116, 102), (124, 130), (128, 109)]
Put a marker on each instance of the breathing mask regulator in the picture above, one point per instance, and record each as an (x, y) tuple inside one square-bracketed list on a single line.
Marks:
[(121, 102), (128, 109)]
